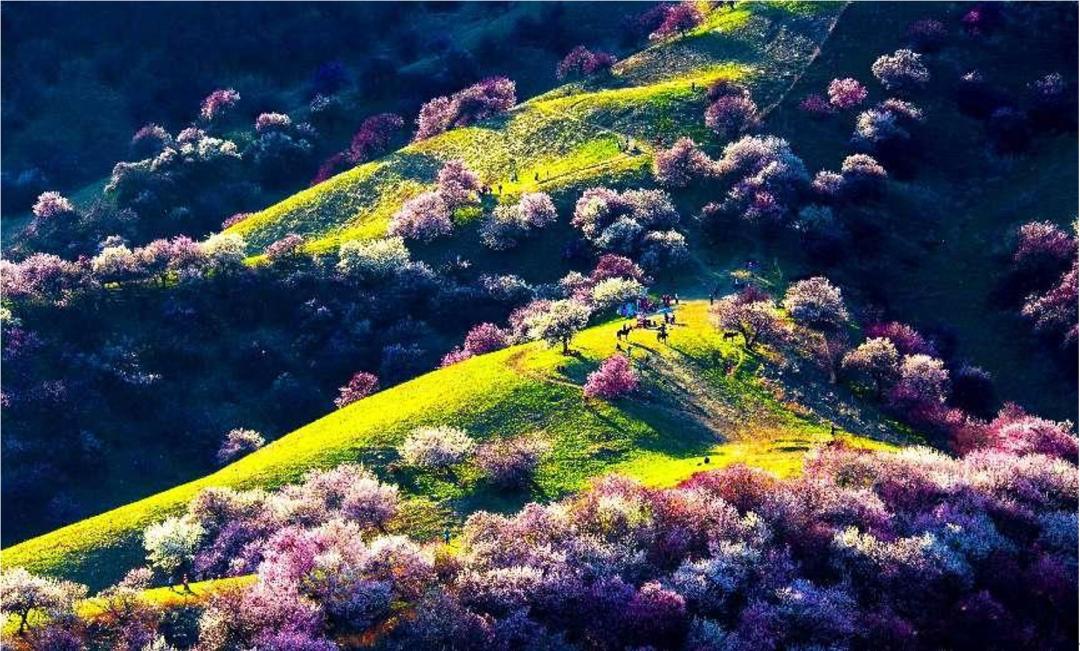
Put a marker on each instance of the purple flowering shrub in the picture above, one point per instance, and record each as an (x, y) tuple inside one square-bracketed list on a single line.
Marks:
[(582, 62), (677, 19), (482, 100), (901, 70), (846, 93), (511, 463), (218, 104), (767, 179), (424, 217)]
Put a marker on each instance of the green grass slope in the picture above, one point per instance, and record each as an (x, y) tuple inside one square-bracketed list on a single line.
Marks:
[(700, 396), (575, 135)]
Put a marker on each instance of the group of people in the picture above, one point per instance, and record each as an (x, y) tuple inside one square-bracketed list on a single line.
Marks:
[(498, 189), (640, 312)]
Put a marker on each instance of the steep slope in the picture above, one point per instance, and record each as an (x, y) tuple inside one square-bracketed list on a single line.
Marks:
[(945, 225), (575, 135), (700, 396)]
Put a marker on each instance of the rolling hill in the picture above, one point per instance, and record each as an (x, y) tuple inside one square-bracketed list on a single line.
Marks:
[(702, 397), (576, 135)]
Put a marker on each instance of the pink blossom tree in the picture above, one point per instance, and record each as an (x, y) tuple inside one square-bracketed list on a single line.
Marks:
[(424, 217), (816, 303), (923, 383), (678, 19), (482, 100), (1054, 312), (614, 379), (731, 115), (682, 164), (876, 362), (511, 463), (582, 62), (846, 93), (218, 103), (457, 184), (437, 447), (237, 443), (361, 385), (373, 136), (902, 69), (753, 317)]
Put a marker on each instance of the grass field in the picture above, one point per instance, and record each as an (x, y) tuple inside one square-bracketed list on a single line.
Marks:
[(689, 408)]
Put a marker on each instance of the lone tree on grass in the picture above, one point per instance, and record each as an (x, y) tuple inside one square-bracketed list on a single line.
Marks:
[(559, 323), (171, 545), (875, 361), (753, 317), (22, 593)]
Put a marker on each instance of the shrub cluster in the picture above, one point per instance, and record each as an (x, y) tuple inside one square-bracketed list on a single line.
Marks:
[(865, 549), (637, 223)]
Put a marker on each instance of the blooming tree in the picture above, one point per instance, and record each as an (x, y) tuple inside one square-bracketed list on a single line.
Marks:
[(457, 184), (614, 379), (373, 136), (52, 205), (424, 217), (902, 69), (846, 93), (361, 385), (730, 115), (876, 362), (753, 317), (484, 99), (1055, 311), (558, 322), (512, 462), (171, 545), (436, 447), (682, 164), (485, 338), (237, 443), (677, 19), (23, 594), (370, 260), (582, 62), (924, 382), (613, 292), (863, 176), (267, 122), (218, 103), (816, 303), (907, 339)]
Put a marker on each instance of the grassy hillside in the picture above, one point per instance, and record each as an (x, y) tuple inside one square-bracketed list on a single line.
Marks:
[(575, 135), (700, 396)]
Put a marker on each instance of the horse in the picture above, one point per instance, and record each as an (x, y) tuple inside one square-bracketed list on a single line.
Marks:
[(730, 335)]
